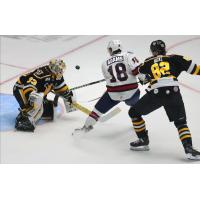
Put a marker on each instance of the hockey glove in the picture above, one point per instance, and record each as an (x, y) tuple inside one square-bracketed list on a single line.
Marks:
[(144, 79)]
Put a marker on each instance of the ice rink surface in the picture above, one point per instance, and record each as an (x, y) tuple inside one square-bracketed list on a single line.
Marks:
[(109, 142)]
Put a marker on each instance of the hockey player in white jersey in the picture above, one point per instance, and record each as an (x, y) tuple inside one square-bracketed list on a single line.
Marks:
[(120, 70)]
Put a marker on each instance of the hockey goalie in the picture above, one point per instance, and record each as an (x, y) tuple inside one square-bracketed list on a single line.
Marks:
[(31, 91)]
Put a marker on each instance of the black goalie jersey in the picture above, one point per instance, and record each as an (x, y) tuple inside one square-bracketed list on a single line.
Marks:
[(164, 70), (41, 80)]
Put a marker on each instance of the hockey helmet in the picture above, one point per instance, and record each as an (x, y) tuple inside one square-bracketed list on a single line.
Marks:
[(114, 45), (57, 67), (158, 47)]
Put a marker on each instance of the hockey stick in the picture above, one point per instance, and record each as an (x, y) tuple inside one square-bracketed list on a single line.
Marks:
[(55, 101), (81, 86), (87, 84), (103, 118), (91, 100), (85, 110)]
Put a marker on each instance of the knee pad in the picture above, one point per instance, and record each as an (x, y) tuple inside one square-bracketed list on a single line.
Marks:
[(180, 122)]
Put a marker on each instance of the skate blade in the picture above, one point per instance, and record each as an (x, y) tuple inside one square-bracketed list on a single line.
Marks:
[(143, 148), (81, 131), (191, 157), (78, 131), (23, 131)]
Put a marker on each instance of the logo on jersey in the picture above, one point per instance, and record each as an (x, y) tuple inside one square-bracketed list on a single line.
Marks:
[(158, 59), (115, 59)]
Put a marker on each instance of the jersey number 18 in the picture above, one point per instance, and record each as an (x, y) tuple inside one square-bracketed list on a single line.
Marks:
[(120, 69)]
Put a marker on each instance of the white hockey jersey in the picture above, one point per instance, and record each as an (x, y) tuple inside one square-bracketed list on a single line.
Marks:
[(120, 72)]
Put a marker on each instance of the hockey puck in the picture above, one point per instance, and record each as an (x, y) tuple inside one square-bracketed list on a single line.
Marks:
[(77, 67)]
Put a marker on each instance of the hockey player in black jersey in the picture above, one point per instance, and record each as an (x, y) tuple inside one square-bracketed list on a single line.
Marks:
[(31, 90), (161, 72)]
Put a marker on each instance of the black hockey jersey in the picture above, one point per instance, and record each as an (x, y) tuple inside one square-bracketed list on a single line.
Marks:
[(164, 70), (41, 80)]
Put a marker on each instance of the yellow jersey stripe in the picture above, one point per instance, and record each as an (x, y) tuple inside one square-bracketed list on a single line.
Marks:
[(23, 96), (27, 90), (197, 70), (63, 89), (27, 109), (183, 129), (138, 123), (18, 81), (185, 136), (139, 130)]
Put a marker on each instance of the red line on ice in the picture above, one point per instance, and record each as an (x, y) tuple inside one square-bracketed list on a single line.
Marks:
[(10, 65), (181, 43), (60, 56)]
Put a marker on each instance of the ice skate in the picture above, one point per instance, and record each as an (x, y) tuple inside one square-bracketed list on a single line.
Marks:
[(191, 153), (140, 145), (24, 125), (84, 129)]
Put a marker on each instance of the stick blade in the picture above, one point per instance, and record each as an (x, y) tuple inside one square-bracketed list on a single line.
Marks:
[(110, 115)]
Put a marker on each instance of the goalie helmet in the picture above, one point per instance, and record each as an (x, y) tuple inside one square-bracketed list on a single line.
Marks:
[(57, 67), (158, 47), (114, 46)]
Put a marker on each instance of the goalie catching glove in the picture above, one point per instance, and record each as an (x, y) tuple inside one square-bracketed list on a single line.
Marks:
[(67, 95), (68, 98)]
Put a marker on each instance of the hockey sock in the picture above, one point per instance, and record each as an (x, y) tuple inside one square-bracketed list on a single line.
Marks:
[(139, 127), (94, 115), (93, 118), (185, 135)]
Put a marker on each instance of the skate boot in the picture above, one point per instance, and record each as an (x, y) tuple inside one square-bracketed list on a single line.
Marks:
[(18, 119), (24, 124), (191, 153), (84, 129), (140, 145)]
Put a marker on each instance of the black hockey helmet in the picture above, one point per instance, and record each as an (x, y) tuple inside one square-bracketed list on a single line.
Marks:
[(158, 47)]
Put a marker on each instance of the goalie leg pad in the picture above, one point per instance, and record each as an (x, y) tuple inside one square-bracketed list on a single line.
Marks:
[(36, 101), (48, 113)]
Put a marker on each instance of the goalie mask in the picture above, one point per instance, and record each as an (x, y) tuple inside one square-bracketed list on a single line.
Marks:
[(114, 46), (57, 67)]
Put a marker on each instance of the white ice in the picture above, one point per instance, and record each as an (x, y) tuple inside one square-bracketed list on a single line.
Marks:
[(109, 141)]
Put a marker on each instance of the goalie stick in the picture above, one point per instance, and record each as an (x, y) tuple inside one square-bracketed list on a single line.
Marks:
[(103, 118)]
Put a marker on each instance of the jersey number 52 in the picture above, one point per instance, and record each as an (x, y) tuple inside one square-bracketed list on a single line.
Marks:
[(121, 73)]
